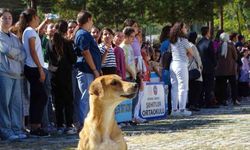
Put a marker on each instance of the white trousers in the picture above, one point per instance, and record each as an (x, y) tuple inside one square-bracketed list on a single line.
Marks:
[(179, 81)]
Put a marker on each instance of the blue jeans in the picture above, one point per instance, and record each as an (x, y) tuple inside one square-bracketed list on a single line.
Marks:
[(179, 82), (77, 96), (84, 80), (10, 105)]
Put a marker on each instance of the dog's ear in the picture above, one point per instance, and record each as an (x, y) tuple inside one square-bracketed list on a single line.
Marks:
[(96, 88)]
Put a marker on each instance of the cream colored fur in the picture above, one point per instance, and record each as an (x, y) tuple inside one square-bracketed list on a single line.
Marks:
[(100, 131)]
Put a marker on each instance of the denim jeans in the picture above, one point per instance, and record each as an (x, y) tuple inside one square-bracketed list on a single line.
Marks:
[(84, 80), (179, 81), (77, 96), (10, 105)]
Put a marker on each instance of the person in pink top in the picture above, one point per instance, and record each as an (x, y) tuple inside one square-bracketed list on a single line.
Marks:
[(119, 55), (136, 45)]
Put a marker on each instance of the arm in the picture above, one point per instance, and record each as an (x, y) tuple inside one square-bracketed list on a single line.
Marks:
[(35, 58), (9, 51), (129, 70), (88, 57), (117, 58), (42, 25)]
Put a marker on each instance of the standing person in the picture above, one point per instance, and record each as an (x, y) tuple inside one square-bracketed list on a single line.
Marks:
[(95, 32), (129, 33), (181, 49), (34, 69), (165, 77), (89, 62), (71, 27), (206, 50), (195, 86), (244, 74), (11, 73), (226, 70), (107, 52), (61, 59), (136, 45), (119, 55), (129, 53)]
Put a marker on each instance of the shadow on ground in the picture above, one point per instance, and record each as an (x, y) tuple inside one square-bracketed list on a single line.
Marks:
[(173, 125)]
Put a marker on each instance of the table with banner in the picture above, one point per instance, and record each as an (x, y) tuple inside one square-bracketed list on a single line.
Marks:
[(153, 103)]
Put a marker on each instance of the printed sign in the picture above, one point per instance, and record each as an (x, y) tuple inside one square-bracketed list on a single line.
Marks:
[(123, 111), (153, 103)]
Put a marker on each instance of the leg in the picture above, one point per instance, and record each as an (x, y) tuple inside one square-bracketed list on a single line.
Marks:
[(84, 80)]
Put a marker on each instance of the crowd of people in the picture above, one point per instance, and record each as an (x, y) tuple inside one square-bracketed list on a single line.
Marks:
[(46, 69)]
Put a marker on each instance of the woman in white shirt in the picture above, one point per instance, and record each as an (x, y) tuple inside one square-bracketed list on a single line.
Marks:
[(33, 69)]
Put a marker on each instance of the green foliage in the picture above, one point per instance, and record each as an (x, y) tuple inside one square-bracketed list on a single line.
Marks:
[(236, 17)]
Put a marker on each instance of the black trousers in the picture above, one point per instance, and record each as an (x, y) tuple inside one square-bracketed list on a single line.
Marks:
[(194, 92), (208, 88), (221, 86), (61, 82), (108, 70), (38, 97)]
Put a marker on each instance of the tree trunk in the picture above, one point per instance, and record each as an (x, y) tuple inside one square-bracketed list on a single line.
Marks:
[(34, 4), (221, 16)]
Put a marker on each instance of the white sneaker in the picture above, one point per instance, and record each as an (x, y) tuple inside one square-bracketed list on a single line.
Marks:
[(175, 113), (185, 112), (70, 130)]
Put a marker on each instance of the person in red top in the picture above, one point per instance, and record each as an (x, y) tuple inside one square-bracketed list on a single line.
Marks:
[(119, 55)]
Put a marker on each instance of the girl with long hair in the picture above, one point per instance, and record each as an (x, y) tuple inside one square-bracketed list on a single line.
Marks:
[(61, 59), (181, 49)]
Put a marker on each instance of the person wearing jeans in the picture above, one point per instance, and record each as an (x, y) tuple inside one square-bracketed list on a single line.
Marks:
[(181, 49), (88, 61), (11, 76)]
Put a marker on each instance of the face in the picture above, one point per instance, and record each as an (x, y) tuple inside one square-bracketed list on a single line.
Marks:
[(184, 29), (135, 27), (71, 27), (119, 37), (50, 29), (111, 89), (6, 20), (36, 20), (95, 33), (132, 37), (157, 56), (107, 37)]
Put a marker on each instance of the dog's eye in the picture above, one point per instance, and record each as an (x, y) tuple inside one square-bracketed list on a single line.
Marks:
[(114, 82)]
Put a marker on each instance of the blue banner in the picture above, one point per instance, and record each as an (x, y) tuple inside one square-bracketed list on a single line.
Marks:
[(123, 111)]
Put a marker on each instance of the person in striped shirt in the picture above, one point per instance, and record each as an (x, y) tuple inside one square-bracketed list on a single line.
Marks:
[(107, 52)]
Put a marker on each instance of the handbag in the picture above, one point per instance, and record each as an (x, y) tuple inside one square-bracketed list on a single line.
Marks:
[(193, 73)]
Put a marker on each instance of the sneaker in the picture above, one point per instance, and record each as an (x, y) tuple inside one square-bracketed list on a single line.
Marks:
[(236, 103), (185, 112), (8, 135), (39, 132), (139, 120), (70, 130), (60, 130), (12, 137), (175, 113), (21, 134)]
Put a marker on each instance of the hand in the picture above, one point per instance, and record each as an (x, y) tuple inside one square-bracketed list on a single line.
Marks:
[(42, 74), (96, 73)]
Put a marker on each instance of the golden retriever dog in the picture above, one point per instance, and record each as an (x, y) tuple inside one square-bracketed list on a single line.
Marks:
[(100, 131)]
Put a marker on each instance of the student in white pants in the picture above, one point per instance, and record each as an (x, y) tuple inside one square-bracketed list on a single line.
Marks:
[(181, 50)]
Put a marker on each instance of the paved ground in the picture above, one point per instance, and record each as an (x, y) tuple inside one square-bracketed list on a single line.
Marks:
[(224, 128)]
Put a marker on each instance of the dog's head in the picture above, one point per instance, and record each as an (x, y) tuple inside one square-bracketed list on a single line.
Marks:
[(112, 88)]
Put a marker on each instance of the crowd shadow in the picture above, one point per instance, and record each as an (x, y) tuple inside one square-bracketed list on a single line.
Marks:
[(169, 126)]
